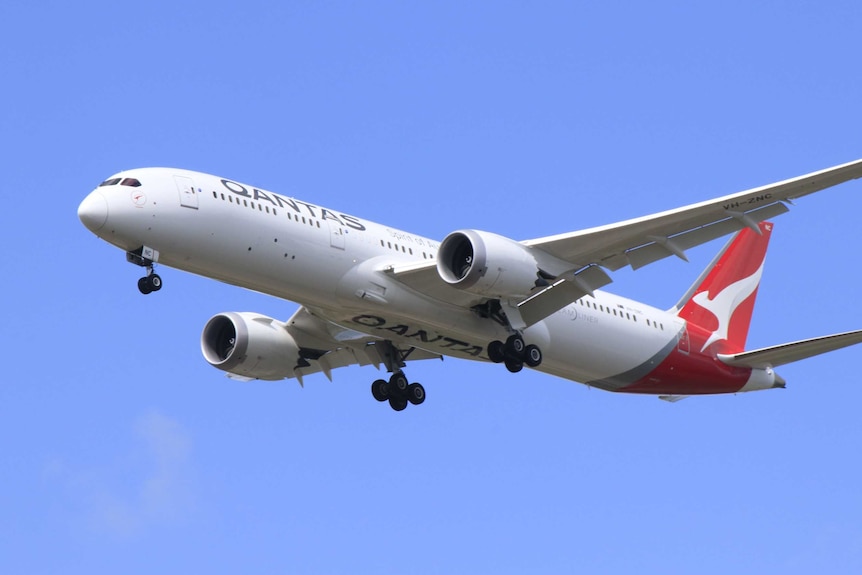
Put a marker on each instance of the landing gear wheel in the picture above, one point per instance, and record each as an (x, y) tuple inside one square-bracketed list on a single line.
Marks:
[(515, 345), (154, 281), (398, 386), (144, 286), (416, 393), (497, 351), (380, 390), (398, 403), (532, 355), (514, 365), (398, 391), (150, 283)]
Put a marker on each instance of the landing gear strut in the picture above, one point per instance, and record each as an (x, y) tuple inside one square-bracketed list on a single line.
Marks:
[(146, 258), (514, 353)]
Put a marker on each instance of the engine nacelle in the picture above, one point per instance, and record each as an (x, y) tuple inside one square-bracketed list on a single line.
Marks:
[(487, 264), (250, 345)]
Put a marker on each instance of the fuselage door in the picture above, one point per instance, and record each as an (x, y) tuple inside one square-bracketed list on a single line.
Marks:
[(186, 187), (336, 235)]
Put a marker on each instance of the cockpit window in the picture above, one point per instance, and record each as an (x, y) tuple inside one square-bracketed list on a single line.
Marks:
[(134, 182), (111, 182)]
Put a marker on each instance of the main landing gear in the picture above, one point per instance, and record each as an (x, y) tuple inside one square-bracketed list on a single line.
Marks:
[(145, 258), (514, 353), (398, 392)]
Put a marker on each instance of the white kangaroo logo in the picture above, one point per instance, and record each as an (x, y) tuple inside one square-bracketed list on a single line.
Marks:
[(724, 304)]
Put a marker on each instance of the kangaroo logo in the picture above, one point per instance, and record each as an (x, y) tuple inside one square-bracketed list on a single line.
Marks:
[(724, 304)]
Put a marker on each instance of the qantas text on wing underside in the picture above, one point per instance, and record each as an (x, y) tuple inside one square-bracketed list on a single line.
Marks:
[(371, 294)]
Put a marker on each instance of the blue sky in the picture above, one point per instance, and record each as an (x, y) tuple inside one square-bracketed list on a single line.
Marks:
[(125, 452)]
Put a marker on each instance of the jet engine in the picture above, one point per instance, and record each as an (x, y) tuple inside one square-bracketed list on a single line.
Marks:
[(249, 345), (487, 264)]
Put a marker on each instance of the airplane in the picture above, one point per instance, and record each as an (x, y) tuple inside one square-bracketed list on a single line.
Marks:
[(370, 294)]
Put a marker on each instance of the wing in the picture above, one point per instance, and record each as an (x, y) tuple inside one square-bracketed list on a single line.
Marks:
[(637, 242), (641, 241), (789, 352), (325, 346)]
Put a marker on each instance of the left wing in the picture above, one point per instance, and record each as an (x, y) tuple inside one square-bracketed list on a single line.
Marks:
[(641, 241), (325, 346), (636, 242)]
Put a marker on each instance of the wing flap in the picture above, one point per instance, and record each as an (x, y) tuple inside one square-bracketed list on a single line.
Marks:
[(561, 293), (789, 352)]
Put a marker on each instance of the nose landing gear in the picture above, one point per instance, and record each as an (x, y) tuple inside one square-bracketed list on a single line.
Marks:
[(146, 257), (150, 283)]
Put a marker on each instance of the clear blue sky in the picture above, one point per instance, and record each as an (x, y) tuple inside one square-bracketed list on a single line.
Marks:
[(124, 452)]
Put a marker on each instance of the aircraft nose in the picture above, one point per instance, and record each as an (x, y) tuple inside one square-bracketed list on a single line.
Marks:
[(93, 211)]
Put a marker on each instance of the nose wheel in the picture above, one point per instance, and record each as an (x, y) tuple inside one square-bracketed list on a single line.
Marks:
[(150, 283), (515, 353)]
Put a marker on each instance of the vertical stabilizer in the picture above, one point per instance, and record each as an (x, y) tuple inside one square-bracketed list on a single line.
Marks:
[(722, 300)]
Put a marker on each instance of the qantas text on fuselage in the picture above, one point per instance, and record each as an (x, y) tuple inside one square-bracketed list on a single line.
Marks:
[(374, 295)]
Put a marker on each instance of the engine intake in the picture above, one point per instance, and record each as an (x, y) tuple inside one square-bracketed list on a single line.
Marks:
[(250, 345), (487, 264)]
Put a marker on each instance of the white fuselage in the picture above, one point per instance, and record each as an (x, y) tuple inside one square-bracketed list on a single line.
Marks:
[(335, 264)]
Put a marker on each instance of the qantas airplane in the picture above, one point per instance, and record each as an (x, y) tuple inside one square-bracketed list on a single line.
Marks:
[(372, 294)]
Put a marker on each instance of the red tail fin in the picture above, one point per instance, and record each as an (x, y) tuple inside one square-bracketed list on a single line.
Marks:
[(722, 301)]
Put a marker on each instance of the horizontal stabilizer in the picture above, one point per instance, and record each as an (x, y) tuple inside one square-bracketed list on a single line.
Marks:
[(789, 352)]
